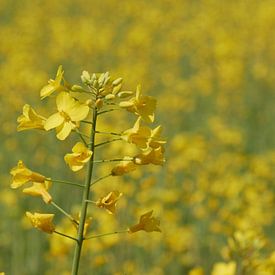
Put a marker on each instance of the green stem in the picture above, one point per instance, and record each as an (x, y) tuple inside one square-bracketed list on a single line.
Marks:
[(107, 111), (66, 182), (108, 141), (87, 122), (112, 160), (89, 201), (108, 133), (82, 134), (64, 212), (82, 138), (64, 235), (85, 197), (106, 234), (99, 179)]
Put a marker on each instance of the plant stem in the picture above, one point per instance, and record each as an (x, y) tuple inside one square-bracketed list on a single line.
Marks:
[(64, 235), (82, 138), (108, 133), (64, 212), (85, 197), (112, 160), (66, 182), (94, 202), (99, 179), (106, 234), (108, 141), (87, 122), (107, 111)]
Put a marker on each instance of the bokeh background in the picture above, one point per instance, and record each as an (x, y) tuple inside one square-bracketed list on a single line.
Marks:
[(211, 66)]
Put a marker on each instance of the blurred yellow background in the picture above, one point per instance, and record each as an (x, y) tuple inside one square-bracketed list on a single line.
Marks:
[(211, 66)]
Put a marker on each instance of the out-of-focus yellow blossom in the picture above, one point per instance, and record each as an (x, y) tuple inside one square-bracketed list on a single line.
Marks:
[(53, 85), (39, 189), (196, 271), (155, 140), (123, 167), (224, 269), (21, 174), (81, 155), (138, 135), (109, 202), (154, 156), (30, 119), (42, 221), (2, 273), (143, 136), (70, 111), (146, 223), (143, 106)]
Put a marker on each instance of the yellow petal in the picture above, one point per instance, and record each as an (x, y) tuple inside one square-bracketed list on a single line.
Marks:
[(79, 112), (64, 131), (64, 102), (53, 121)]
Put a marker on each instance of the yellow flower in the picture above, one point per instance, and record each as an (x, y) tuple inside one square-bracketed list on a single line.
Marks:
[(196, 271), (39, 189), (154, 156), (138, 135), (143, 136), (143, 106), (109, 202), (81, 155), (21, 174), (53, 85), (42, 221), (155, 141), (30, 119), (224, 269), (70, 111), (123, 167), (146, 223)]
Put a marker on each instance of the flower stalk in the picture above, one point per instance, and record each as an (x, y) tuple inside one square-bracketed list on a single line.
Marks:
[(86, 192)]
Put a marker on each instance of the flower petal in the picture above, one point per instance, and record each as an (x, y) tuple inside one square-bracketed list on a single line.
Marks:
[(64, 131), (53, 121)]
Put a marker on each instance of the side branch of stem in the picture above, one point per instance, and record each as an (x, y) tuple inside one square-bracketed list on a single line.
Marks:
[(106, 234)]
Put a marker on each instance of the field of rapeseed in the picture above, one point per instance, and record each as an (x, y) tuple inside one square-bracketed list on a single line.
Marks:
[(191, 137)]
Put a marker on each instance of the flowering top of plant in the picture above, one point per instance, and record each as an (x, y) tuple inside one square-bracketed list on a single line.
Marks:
[(74, 114)]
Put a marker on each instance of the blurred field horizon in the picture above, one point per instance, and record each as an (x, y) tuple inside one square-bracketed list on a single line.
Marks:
[(211, 67)]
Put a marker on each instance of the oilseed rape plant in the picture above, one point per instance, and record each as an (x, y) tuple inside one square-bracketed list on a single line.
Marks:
[(78, 112)]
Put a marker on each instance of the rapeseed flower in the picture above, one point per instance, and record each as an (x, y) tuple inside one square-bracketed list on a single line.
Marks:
[(70, 112), (146, 223), (39, 189), (21, 175), (224, 268), (53, 85), (140, 105), (30, 119), (109, 202), (138, 135), (123, 167), (42, 221), (81, 155), (153, 156)]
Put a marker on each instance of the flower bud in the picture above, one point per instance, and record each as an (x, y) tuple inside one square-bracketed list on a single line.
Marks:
[(99, 103), (86, 78)]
